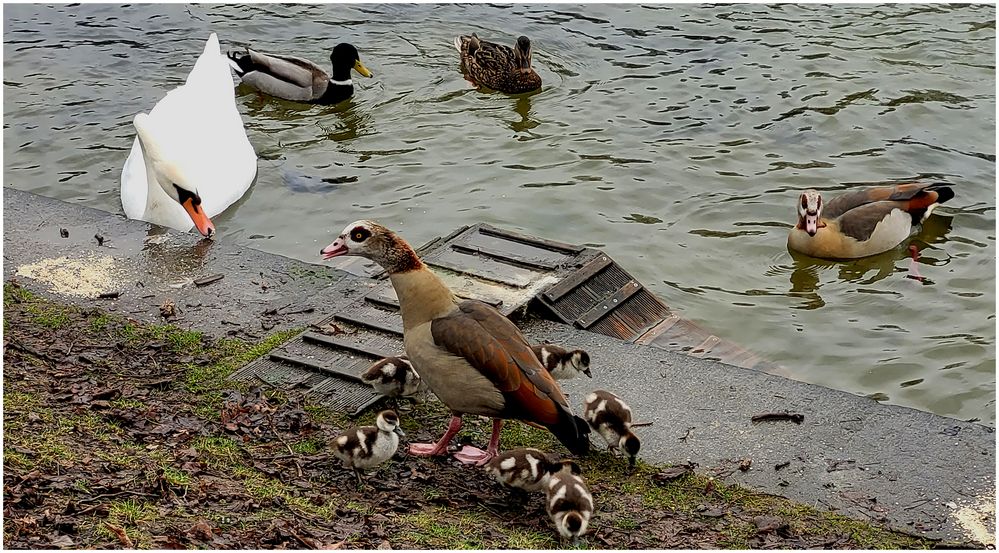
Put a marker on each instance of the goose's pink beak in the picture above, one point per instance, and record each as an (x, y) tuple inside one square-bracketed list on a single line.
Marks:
[(811, 223), (337, 248)]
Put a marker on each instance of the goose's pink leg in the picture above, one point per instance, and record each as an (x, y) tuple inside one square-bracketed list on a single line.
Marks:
[(440, 448), (914, 266), (475, 456)]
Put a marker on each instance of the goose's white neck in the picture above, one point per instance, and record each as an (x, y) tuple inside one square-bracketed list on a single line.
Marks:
[(348, 82), (423, 296)]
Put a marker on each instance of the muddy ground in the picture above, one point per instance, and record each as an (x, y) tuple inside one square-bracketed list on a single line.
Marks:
[(120, 435)]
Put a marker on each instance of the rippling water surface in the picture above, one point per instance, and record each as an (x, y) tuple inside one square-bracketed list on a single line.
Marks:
[(674, 137)]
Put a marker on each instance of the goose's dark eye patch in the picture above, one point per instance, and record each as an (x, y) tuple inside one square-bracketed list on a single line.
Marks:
[(360, 234)]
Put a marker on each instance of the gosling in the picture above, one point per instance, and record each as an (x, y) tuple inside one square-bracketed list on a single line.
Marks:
[(395, 377), (569, 504), (561, 363), (527, 468), (610, 417), (364, 447)]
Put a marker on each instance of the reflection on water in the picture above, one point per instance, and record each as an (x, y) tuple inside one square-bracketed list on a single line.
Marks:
[(676, 137), (522, 107)]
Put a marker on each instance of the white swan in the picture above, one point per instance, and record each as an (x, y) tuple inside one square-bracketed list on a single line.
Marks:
[(191, 158)]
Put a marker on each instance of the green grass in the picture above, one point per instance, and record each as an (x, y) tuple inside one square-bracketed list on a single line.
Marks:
[(219, 452), (307, 446), (439, 528), (176, 477), (100, 322), (131, 511)]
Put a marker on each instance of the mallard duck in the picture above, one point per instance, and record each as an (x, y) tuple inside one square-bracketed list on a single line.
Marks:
[(366, 447), (610, 417), (190, 159), (863, 222), (527, 468), (569, 504), (496, 66), (562, 363), (475, 360), (298, 79)]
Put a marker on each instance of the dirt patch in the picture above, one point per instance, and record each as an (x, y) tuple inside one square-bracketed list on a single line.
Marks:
[(123, 435)]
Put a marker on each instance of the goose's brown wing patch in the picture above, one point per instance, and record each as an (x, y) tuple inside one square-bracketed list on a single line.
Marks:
[(860, 222), (495, 347)]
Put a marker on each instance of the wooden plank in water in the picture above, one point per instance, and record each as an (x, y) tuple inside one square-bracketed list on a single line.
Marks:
[(536, 263), (616, 300), (530, 240), (573, 281)]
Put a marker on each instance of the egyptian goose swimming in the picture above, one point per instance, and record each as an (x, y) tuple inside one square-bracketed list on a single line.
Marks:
[(297, 79), (569, 504), (527, 468), (365, 447), (561, 363), (473, 358), (609, 416), (862, 222), (497, 66), (395, 377), (190, 159)]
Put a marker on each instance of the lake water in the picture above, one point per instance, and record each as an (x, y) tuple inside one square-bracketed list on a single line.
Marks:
[(676, 138)]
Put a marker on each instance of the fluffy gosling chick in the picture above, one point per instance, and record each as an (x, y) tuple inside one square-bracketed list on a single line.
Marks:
[(527, 468), (395, 377), (561, 363), (610, 417), (364, 447), (569, 504)]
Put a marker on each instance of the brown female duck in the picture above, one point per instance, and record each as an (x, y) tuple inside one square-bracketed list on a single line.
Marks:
[(497, 66)]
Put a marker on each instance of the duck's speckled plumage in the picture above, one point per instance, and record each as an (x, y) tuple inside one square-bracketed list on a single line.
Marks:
[(497, 66)]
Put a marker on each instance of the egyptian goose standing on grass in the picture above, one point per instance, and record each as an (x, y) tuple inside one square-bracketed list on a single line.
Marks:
[(473, 358), (863, 222)]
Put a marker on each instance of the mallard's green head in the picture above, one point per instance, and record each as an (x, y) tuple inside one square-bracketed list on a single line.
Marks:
[(344, 58)]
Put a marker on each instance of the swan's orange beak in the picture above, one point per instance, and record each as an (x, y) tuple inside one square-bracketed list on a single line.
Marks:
[(201, 221)]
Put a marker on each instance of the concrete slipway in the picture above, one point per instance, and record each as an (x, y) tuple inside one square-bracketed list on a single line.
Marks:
[(915, 471)]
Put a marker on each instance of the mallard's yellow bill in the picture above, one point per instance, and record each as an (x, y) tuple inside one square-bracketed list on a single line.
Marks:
[(359, 67)]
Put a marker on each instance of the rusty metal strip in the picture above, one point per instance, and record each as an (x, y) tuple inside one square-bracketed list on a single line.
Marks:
[(542, 243), (704, 347), (600, 310), (333, 342), (577, 278), (657, 330), (313, 366), (506, 257)]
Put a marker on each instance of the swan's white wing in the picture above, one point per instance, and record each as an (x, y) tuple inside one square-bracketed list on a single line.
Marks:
[(134, 185)]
